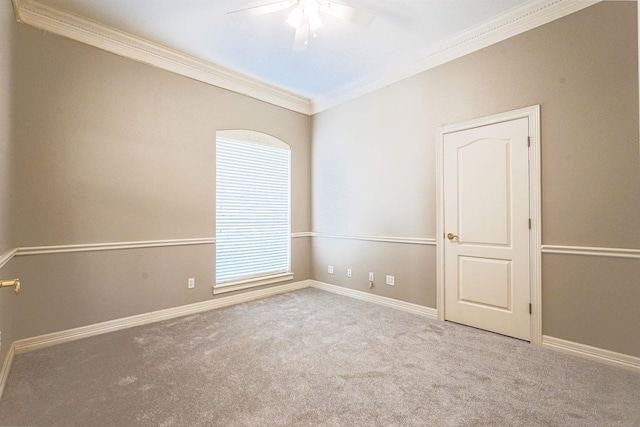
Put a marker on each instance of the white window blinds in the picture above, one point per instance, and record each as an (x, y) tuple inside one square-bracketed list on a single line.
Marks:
[(253, 232)]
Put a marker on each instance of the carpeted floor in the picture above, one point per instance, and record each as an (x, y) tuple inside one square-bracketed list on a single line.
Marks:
[(311, 358)]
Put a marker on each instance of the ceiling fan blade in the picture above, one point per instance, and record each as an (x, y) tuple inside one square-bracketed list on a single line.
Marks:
[(302, 36), (265, 8), (348, 13)]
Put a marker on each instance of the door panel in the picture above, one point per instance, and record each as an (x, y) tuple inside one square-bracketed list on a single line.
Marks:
[(485, 282), (486, 214), (483, 199)]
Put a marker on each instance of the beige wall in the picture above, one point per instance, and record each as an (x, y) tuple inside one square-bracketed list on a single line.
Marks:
[(592, 301), (412, 266), (6, 242), (104, 149), (6, 93), (115, 150), (374, 166), (111, 150)]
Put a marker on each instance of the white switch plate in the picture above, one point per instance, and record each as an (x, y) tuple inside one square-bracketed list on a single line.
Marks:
[(371, 276), (349, 272), (330, 269), (191, 283), (391, 280)]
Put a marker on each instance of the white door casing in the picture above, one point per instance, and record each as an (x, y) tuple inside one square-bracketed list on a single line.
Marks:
[(488, 270)]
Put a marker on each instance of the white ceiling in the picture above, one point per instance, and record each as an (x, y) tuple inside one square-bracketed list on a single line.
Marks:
[(260, 47)]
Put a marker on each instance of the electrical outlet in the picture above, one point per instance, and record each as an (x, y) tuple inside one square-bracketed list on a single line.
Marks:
[(191, 283), (391, 280), (349, 272), (371, 277), (330, 269)]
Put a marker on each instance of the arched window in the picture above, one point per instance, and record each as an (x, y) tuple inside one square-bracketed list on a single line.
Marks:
[(253, 227)]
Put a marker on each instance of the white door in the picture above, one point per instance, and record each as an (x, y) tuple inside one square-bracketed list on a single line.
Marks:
[(486, 227)]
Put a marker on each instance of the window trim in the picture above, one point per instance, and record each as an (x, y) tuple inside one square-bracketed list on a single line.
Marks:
[(251, 283), (256, 137), (265, 279)]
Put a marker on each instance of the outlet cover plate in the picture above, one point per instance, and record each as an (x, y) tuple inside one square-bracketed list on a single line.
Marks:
[(391, 280)]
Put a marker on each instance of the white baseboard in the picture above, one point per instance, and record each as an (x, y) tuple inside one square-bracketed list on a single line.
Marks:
[(25, 345), (619, 360), (6, 367), (47, 340), (608, 357), (35, 343), (376, 299)]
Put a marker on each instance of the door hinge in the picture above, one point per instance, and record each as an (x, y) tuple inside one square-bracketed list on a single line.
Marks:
[(529, 223), (528, 141), (529, 308)]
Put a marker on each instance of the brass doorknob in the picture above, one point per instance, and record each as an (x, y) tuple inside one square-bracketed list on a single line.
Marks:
[(15, 283), (451, 236)]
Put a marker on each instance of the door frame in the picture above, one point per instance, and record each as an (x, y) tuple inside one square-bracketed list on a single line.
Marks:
[(535, 240)]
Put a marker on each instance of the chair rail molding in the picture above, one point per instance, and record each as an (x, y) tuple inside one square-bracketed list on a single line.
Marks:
[(90, 247), (386, 239), (301, 234), (591, 251), (6, 257)]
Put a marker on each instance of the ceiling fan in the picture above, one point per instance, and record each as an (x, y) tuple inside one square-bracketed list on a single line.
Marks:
[(305, 16)]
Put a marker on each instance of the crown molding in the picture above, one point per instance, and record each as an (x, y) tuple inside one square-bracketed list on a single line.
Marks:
[(519, 20), (75, 27), (526, 17)]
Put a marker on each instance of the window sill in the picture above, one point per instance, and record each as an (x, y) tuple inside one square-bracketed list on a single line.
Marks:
[(251, 283)]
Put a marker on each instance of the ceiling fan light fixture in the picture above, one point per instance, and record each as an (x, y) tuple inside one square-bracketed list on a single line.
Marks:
[(311, 8), (305, 16), (315, 22), (295, 17)]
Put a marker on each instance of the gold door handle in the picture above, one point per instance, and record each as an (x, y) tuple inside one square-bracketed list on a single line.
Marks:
[(13, 282), (451, 236)]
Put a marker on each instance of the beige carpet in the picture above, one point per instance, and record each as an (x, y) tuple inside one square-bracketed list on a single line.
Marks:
[(311, 358)]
